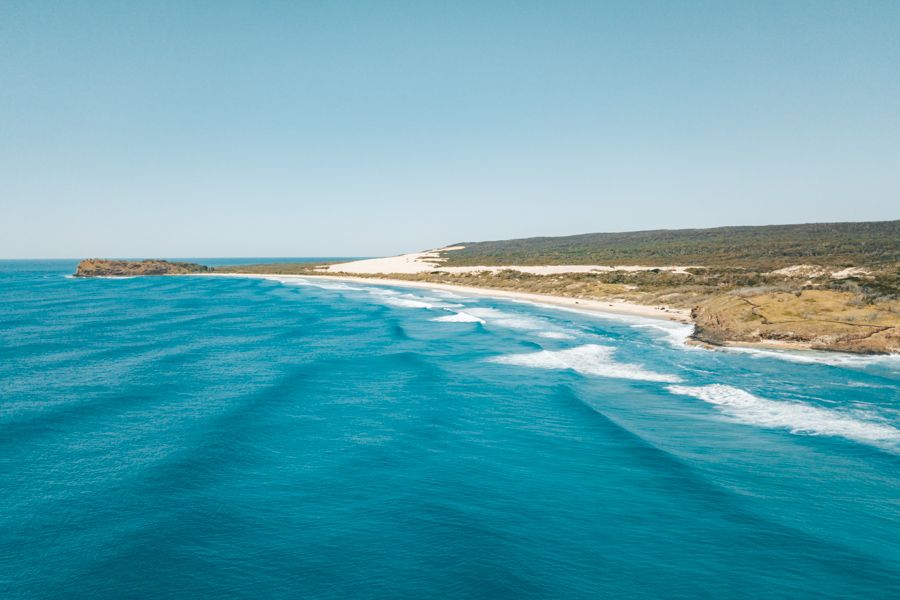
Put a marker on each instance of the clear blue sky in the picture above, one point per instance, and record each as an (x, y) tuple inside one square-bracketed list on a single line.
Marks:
[(337, 128)]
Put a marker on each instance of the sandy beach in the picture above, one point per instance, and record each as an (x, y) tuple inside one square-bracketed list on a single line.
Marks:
[(616, 307)]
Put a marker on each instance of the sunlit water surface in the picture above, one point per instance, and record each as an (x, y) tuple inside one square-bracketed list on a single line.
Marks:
[(189, 437)]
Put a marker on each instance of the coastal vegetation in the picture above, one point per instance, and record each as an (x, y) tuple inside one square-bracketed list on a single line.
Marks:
[(286, 268), (867, 244)]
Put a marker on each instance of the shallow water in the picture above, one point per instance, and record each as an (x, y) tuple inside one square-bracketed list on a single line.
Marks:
[(243, 438)]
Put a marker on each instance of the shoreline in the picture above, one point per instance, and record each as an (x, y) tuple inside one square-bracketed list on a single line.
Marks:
[(586, 306), (613, 307)]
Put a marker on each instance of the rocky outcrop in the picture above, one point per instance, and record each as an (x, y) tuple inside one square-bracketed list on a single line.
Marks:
[(817, 319), (96, 267)]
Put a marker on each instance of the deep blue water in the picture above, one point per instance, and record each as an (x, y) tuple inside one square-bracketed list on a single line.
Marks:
[(191, 437)]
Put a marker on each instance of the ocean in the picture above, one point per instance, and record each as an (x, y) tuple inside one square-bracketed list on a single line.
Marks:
[(219, 437)]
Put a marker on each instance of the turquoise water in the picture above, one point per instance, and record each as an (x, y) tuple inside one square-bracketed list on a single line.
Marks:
[(188, 437)]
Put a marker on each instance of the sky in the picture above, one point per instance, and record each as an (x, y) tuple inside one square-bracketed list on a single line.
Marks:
[(201, 129)]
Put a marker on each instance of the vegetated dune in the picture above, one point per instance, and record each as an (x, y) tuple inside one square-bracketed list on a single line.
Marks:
[(766, 247)]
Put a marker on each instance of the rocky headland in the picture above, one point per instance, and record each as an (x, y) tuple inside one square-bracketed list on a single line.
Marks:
[(97, 267), (816, 319)]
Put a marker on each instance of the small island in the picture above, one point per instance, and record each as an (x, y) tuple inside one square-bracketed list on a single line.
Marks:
[(97, 267)]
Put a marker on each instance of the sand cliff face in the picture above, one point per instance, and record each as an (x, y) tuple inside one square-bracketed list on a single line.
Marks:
[(818, 319), (96, 267)]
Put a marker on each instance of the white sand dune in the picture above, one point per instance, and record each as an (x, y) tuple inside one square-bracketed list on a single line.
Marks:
[(429, 261), (415, 262)]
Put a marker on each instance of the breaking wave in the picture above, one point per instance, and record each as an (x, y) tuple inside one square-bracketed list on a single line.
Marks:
[(589, 359), (834, 359), (556, 335), (676, 334), (318, 283), (408, 302), (505, 319), (797, 417), (459, 317)]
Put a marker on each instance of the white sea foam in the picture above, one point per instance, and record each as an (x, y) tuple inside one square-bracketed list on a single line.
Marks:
[(386, 295), (295, 282), (505, 319), (511, 320), (408, 303), (459, 317), (333, 285), (445, 293), (797, 417), (382, 292), (589, 359), (492, 313), (420, 298), (676, 334), (835, 359), (555, 335)]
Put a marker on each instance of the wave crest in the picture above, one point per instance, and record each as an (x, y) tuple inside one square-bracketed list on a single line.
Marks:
[(797, 417), (890, 362), (589, 359), (459, 317), (555, 335), (408, 302)]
